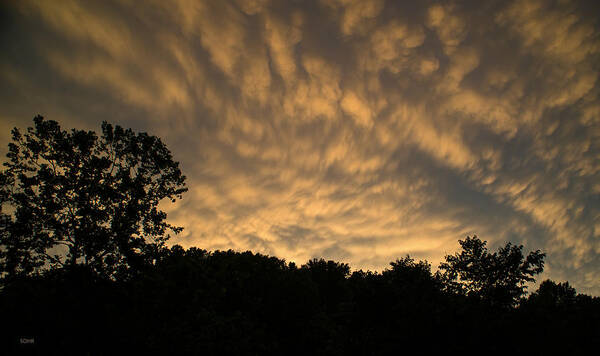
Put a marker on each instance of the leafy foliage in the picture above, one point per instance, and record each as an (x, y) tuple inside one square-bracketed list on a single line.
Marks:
[(498, 278), (77, 198)]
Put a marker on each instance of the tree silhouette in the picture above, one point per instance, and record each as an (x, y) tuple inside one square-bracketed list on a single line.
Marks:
[(78, 199), (330, 279), (552, 294), (498, 278)]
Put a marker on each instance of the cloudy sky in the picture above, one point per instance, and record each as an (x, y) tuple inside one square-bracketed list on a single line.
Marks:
[(359, 131)]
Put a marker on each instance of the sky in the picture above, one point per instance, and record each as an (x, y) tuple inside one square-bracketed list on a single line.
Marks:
[(358, 131)]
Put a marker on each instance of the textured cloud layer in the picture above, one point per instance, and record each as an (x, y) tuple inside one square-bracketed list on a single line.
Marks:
[(354, 130)]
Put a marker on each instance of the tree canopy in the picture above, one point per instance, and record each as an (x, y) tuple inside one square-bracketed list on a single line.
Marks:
[(79, 198), (499, 277)]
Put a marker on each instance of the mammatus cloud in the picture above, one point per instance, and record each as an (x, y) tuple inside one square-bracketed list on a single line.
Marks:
[(354, 130)]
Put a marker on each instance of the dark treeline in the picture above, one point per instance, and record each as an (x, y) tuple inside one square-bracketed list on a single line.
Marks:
[(85, 270), (225, 302)]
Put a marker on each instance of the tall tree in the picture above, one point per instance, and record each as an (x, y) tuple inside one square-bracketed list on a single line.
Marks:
[(74, 198), (499, 278)]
